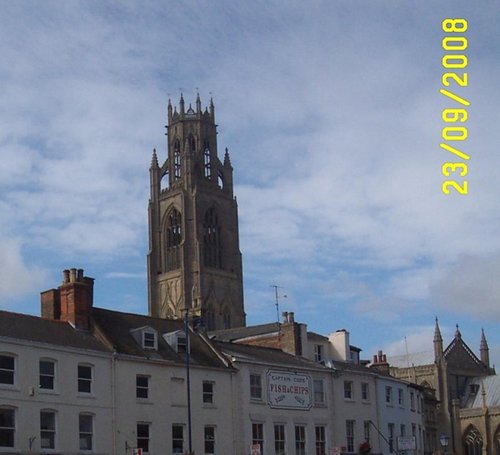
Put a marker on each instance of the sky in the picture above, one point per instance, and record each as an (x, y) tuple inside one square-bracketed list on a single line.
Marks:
[(332, 114)]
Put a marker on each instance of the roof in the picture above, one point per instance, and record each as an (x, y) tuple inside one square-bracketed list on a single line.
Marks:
[(36, 329), (313, 336), (117, 327), (473, 397), (271, 356), (412, 359), (112, 331), (238, 333)]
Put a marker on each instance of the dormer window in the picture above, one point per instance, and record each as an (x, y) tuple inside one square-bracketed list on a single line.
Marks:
[(146, 337), (148, 340), (177, 341), (474, 388)]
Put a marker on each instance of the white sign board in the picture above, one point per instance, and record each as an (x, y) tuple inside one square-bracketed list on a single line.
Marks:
[(407, 443), (288, 390)]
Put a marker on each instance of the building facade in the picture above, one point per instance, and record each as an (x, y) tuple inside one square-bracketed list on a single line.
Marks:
[(450, 374)]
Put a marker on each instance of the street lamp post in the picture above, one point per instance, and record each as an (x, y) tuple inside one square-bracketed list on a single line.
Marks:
[(444, 440), (188, 381)]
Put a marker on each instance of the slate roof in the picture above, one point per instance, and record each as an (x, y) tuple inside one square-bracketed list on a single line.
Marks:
[(117, 328), (491, 385), (32, 328), (412, 359), (259, 354), (238, 333), (313, 336), (111, 331)]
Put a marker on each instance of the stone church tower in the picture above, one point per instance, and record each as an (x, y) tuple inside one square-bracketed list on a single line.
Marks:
[(194, 260)]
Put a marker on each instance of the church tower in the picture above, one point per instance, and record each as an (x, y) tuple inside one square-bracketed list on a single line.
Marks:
[(194, 260)]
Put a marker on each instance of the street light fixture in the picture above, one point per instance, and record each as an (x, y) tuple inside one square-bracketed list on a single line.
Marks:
[(444, 440)]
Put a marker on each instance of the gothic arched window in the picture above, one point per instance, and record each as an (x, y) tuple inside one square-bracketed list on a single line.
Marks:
[(209, 319), (211, 240), (473, 442), (227, 319), (192, 143), (206, 163), (177, 160), (220, 179), (173, 240)]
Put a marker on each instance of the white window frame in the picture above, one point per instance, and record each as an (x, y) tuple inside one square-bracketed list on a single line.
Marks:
[(256, 388), (85, 433), (388, 395), (141, 437), (47, 375), (209, 439), (9, 429), (9, 371), (348, 390), (48, 431), (365, 391), (319, 392), (208, 395), (84, 380), (141, 388), (149, 339), (300, 439), (181, 426)]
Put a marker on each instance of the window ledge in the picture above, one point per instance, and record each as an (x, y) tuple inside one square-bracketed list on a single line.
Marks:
[(83, 395), (48, 392), (12, 387)]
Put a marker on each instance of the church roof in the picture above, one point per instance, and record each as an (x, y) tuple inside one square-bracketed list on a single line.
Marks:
[(473, 397), (412, 359)]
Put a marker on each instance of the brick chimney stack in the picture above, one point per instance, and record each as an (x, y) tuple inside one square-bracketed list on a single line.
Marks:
[(380, 363), (71, 301)]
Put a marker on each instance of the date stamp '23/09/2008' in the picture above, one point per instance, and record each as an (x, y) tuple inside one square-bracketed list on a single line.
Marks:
[(454, 63)]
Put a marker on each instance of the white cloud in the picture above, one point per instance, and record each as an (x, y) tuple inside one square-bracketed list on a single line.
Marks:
[(470, 285), (16, 277)]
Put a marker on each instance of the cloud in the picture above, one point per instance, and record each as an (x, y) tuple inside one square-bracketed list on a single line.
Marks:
[(470, 284), (17, 279)]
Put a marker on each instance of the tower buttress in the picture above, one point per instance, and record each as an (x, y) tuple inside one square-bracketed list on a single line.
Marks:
[(194, 261)]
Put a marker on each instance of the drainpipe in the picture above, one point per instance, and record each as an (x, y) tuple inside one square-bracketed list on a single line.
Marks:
[(113, 399)]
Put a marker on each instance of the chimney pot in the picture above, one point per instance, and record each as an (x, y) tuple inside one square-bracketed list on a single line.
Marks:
[(65, 276), (291, 317), (80, 275), (284, 315), (72, 275)]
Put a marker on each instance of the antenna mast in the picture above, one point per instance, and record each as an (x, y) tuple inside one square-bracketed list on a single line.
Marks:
[(277, 302)]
